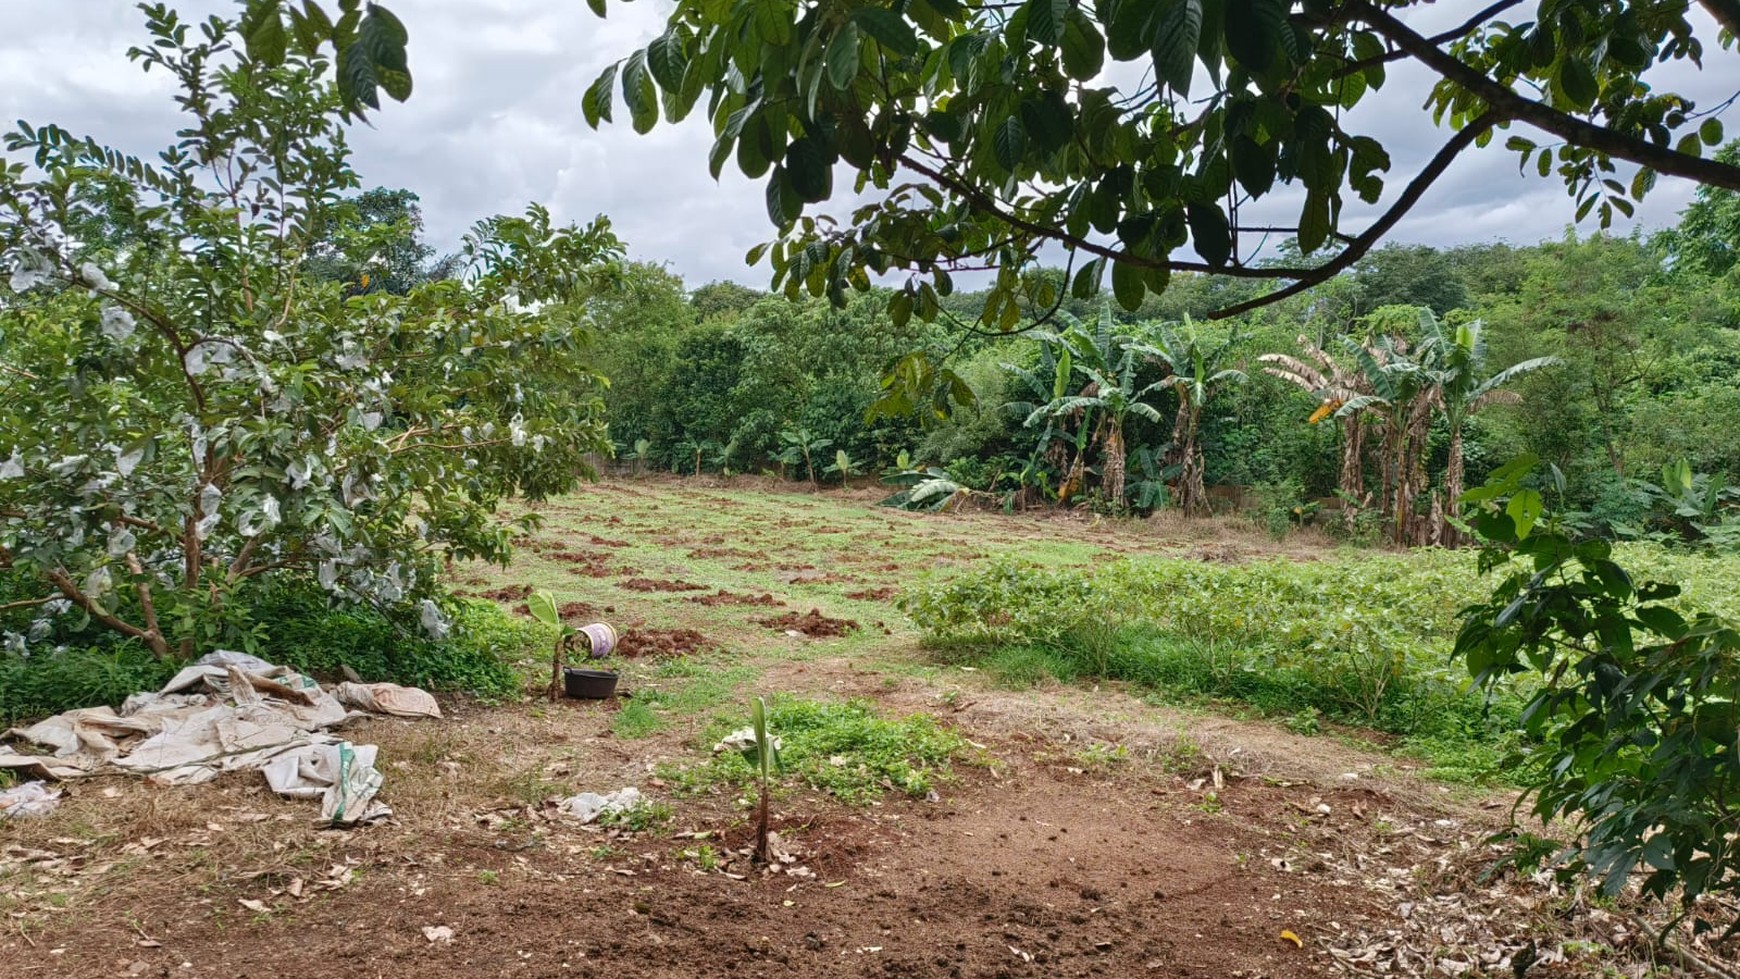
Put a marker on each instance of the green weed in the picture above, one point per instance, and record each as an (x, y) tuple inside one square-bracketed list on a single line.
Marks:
[(843, 749)]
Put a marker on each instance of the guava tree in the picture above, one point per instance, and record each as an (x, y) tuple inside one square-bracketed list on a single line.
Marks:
[(185, 408)]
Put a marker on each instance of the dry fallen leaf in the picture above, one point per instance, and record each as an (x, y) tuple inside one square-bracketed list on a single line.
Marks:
[(437, 933)]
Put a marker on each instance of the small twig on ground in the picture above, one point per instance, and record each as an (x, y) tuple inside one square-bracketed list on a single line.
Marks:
[(1685, 956)]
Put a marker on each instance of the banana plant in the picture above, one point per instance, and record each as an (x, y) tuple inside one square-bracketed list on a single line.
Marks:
[(1465, 387), (543, 608), (801, 446), (1195, 374), (764, 756), (844, 466)]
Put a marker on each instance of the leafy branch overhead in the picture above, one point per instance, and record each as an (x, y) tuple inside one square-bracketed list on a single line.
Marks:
[(1136, 134)]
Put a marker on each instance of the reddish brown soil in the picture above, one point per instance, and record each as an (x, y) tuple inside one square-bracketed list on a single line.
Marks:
[(659, 584), (723, 597), (882, 594), (509, 593), (1037, 873), (598, 541), (583, 611), (819, 578), (812, 623), (637, 643), (703, 553)]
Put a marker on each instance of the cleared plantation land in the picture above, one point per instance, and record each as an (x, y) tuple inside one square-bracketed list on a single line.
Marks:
[(945, 816)]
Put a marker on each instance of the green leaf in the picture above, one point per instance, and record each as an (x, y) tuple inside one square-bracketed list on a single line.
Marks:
[(1047, 120), (1087, 279), (1009, 143), (806, 166), (597, 7), (1577, 82), (782, 201), (1253, 164), (596, 103), (1132, 31), (1046, 21), (1128, 286), (1314, 224), (1253, 35), (1084, 49), (639, 94), (842, 56), (1524, 509), (666, 59), (383, 39), (888, 28), (543, 608), (1209, 232), (263, 33), (1175, 43)]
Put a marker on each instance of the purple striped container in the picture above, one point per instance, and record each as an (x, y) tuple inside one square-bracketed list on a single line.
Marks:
[(600, 639)]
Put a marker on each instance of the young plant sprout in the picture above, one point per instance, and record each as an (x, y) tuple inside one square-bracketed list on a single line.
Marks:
[(764, 755), (543, 608)]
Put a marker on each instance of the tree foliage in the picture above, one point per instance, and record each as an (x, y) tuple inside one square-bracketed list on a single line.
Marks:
[(1638, 704), (187, 408)]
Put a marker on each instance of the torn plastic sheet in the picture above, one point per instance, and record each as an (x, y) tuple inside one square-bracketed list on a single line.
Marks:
[(28, 799), (226, 712), (588, 806)]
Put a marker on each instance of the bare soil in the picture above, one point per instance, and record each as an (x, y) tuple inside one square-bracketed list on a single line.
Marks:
[(636, 643), (659, 584), (812, 623), (723, 597)]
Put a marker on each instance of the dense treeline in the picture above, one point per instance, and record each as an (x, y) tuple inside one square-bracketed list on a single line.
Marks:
[(1645, 372)]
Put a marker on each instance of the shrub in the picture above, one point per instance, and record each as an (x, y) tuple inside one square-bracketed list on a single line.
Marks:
[(1365, 641), (188, 407)]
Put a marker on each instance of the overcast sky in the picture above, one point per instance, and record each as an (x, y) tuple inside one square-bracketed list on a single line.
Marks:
[(495, 123)]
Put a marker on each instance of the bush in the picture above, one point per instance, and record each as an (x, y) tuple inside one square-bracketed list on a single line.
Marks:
[(314, 637), (302, 629), (51, 681), (1363, 642)]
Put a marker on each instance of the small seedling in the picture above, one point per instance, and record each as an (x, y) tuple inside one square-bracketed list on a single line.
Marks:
[(543, 608), (764, 755)]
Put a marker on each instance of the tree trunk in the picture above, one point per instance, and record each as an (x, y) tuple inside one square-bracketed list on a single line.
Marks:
[(1453, 478), (1352, 481), (1113, 475), (1192, 495)]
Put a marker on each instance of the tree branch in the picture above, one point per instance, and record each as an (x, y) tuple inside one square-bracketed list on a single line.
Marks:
[(1510, 105), (1363, 243), (62, 581), (1726, 12), (1452, 34), (988, 204)]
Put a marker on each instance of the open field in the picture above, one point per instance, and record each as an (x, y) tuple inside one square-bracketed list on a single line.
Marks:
[(1077, 830)]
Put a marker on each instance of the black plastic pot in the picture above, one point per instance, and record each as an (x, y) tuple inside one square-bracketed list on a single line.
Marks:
[(588, 684)]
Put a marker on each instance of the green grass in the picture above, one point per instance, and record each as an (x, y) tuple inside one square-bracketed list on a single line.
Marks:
[(680, 688), (844, 749)]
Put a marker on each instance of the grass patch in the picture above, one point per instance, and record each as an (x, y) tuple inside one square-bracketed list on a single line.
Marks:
[(54, 681), (844, 749), (301, 629), (1364, 643), (679, 688)]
